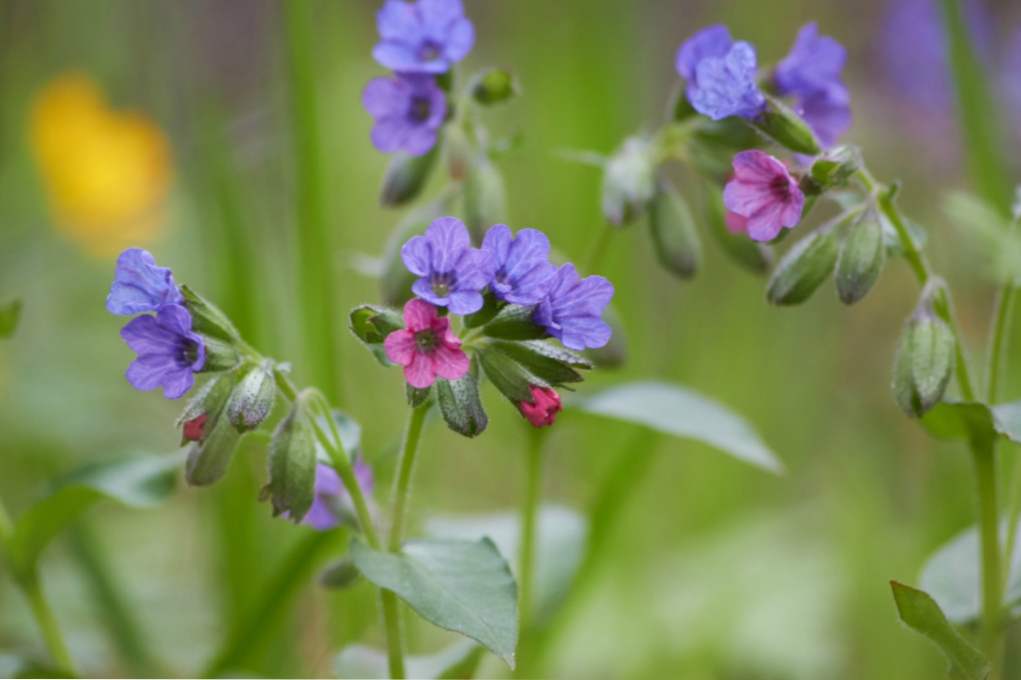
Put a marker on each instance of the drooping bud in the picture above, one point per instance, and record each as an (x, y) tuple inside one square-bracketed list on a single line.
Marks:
[(494, 86), (205, 407), (780, 123), (861, 260), (628, 181), (485, 198), (673, 232), (803, 268), (925, 359), (292, 464), (406, 176), (252, 399), (208, 319), (460, 404), (835, 167), (194, 430), (542, 409)]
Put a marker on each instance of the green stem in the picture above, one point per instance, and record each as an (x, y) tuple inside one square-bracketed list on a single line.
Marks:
[(598, 249), (48, 626), (402, 485), (983, 455), (529, 517)]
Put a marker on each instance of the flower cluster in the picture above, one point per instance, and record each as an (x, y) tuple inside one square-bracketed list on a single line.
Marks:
[(512, 300), (418, 41)]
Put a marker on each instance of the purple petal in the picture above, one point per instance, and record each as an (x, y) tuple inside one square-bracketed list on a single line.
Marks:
[(465, 302), (417, 255), (460, 40), (449, 238), (419, 140), (423, 289), (438, 15), (398, 20), (399, 56), (385, 96), (390, 134), (713, 41), (140, 285)]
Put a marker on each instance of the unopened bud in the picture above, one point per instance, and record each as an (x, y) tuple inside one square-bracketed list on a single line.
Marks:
[(292, 465), (924, 363), (406, 176), (203, 409), (803, 268), (779, 122), (542, 409), (252, 399), (628, 181), (494, 86), (673, 232), (836, 167), (861, 260)]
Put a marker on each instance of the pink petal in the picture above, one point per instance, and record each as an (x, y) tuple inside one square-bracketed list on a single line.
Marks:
[(420, 373), (400, 347), (419, 315), (746, 199), (736, 224), (765, 224), (757, 166), (449, 362), (791, 214)]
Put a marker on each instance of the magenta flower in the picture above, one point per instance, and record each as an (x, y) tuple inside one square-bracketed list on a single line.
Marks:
[(426, 347), (542, 410), (763, 191)]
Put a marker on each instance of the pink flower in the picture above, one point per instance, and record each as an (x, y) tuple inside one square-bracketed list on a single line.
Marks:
[(425, 347), (736, 224), (763, 191), (542, 410)]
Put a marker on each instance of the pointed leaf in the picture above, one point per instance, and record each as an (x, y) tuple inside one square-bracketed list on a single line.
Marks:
[(683, 413), (460, 404), (463, 586)]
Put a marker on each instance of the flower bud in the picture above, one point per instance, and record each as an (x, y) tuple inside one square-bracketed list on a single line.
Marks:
[(406, 176), (292, 465), (494, 86), (208, 319), (542, 409), (861, 260), (195, 429), (252, 399), (339, 575), (460, 404), (779, 122), (220, 356), (371, 324), (924, 363), (628, 182), (485, 198), (803, 268), (203, 409), (673, 232), (835, 167), (209, 458)]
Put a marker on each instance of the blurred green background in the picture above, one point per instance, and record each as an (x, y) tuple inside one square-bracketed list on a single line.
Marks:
[(716, 569)]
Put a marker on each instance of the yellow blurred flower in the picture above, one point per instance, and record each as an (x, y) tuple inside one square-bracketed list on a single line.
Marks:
[(107, 172)]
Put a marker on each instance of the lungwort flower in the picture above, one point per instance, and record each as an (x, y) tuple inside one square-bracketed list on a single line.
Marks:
[(169, 352), (542, 410), (720, 75), (572, 309), (332, 501), (139, 285), (453, 273), (764, 193), (811, 73), (409, 111), (426, 347), (427, 36), (522, 268)]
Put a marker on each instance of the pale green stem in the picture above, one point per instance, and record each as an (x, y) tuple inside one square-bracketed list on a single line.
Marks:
[(47, 622), (402, 485), (598, 248), (529, 517)]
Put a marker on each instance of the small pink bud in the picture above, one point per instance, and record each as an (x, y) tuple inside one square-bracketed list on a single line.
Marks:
[(542, 410), (193, 429)]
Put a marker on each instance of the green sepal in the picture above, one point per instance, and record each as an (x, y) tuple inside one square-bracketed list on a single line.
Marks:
[(417, 396), (490, 307), (494, 86), (514, 322), (512, 379), (292, 465), (460, 404), (207, 319), (834, 168), (209, 400), (673, 232), (406, 176), (554, 364), (252, 399), (372, 323), (221, 355), (209, 458), (861, 259), (783, 125), (803, 268)]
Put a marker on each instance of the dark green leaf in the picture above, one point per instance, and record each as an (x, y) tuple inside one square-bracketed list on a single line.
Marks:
[(508, 376), (552, 363), (680, 412), (466, 587), (961, 420), (292, 466), (459, 660), (490, 307), (10, 314), (460, 404), (514, 322), (921, 613), (136, 482)]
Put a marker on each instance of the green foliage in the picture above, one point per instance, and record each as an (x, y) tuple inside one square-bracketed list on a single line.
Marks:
[(459, 660), (463, 586)]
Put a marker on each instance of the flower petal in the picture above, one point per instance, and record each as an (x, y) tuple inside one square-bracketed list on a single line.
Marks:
[(419, 315), (450, 363), (419, 373), (400, 346)]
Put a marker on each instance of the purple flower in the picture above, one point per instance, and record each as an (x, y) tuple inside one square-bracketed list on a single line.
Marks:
[(427, 36), (1011, 81), (828, 114), (763, 191), (572, 310), (332, 502), (141, 286), (714, 41), (523, 270), (452, 273), (409, 111), (725, 86), (169, 353)]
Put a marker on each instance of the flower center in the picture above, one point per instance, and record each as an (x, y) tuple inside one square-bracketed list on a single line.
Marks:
[(780, 187), (419, 109), (442, 283), (187, 352), (429, 51), (426, 341)]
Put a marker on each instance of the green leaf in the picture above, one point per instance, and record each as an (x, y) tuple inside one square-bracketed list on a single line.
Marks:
[(514, 322), (10, 314), (507, 375), (959, 420), (952, 575), (552, 363), (921, 613), (683, 413), (459, 660), (138, 482), (463, 586), (460, 404), (560, 544)]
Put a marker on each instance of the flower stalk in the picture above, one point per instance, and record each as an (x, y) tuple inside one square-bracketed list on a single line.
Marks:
[(529, 529)]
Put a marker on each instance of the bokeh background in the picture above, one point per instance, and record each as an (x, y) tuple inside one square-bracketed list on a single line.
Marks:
[(715, 569)]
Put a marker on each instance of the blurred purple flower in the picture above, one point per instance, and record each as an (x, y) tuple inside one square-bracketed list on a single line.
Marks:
[(572, 310), (427, 36), (828, 114), (409, 111), (763, 191), (169, 353), (726, 86), (332, 501), (452, 273), (523, 270), (712, 41), (139, 285), (1010, 75)]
